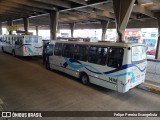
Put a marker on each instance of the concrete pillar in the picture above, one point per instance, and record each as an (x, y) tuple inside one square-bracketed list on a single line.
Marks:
[(72, 26), (10, 23), (54, 23), (104, 24), (37, 30), (0, 28), (122, 10), (26, 25), (157, 56)]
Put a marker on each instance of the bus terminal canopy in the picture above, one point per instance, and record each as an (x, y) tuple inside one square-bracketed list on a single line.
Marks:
[(85, 13)]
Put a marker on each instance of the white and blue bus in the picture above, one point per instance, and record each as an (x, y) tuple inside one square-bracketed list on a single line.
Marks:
[(117, 66), (21, 45)]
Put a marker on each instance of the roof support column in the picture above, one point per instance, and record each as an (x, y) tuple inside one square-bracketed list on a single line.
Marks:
[(0, 28), (122, 10), (104, 24), (10, 23), (26, 25), (54, 23), (157, 56), (37, 30), (72, 26)]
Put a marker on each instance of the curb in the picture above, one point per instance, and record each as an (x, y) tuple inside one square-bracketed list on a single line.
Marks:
[(150, 87)]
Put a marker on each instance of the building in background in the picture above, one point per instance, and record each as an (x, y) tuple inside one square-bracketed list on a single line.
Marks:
[(150, 37), (133, 35)]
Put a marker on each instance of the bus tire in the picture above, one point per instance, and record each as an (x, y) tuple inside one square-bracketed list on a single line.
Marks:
[(47, 66), (84, 78), (13, 53)]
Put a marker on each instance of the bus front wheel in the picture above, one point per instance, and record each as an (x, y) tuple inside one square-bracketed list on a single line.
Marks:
[(84, 79)]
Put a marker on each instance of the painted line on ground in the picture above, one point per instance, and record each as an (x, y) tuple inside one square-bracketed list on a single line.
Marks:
[(150, 87)]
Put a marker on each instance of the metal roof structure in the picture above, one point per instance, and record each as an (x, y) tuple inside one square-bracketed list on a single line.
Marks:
[(89, 12)]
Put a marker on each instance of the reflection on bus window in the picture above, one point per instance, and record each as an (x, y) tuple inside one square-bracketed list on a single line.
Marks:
[(32, 39), (68, 50), (102, 55), (81, 52), (58, 49), (115, 57), (92, 55)]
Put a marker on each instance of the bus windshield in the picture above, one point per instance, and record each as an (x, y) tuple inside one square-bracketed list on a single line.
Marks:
[(138, 53), (31, 39)]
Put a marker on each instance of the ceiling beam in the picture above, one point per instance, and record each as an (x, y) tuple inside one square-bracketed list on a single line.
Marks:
[(60, 3), (141, 9), (71, 18), (10, 16), (15, 10), (34, 4), (82, 2), (20, 6), (106, 6), (89, 4), (98, 12)]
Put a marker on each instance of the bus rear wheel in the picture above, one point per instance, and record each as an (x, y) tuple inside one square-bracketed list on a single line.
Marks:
[(13, 53), (84, 79)]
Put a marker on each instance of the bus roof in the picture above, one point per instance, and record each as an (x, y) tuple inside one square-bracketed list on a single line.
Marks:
[(101, 43)]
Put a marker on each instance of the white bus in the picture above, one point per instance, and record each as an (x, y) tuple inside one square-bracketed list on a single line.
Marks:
[(117, 66), (21, 45)]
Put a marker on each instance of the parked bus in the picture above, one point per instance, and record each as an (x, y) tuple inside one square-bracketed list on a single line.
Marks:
[(117, 66), (21, 45)]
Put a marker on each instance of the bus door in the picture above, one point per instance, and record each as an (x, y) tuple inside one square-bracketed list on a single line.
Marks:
[(48, 55), (57, 60), (18, 46)]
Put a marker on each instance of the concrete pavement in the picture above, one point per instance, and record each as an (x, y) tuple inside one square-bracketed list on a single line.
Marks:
[(26, 85)]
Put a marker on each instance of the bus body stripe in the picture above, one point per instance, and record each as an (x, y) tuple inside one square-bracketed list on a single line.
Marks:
[(71, 61), (108, 73)]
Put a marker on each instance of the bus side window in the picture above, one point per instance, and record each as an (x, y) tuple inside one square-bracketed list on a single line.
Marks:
[(68, 50), (115, 57), (81, 52), (58, 49), (102, 55), (8, 41), (92, 55), (12, 40)]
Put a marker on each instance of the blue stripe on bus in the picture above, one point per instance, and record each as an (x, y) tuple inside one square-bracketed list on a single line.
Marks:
[(24, 45), (71, 61)]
